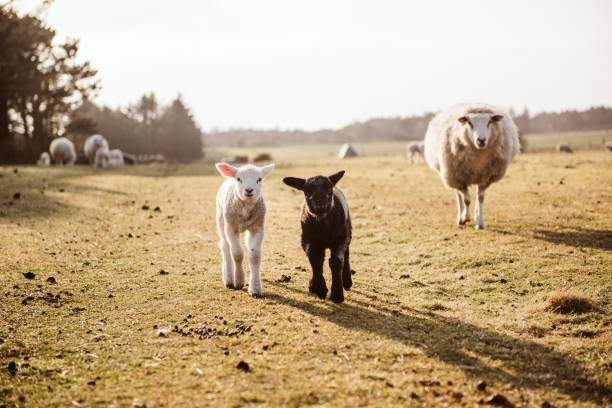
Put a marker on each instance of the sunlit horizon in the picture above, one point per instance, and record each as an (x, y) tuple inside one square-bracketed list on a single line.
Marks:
[(314, 65)]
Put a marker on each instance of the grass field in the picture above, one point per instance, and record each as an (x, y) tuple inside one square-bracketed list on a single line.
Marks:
[(435, 309), (535, 142)]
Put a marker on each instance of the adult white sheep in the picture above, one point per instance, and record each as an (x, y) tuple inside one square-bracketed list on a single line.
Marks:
[(44, 160), (92, 144), (415, 150), (115, 158), (241, 207), (102, 158), (62, 151), (471, 144)]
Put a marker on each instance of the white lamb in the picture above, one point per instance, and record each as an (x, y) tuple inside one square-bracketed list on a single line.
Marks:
[(102, 158), (44, 160), (241, 207), (92, 144), (415, 150), (115, 158), (62, 151), (471, 144)]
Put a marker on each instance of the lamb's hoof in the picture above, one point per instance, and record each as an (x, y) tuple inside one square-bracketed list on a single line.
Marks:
[(229, 285), (256, 295), (238, 286), (337, 297), (461, 222), (320, 290), (480, 226)]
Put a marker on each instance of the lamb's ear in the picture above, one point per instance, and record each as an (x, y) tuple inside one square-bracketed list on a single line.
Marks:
[(295, 182), (265, 170), (226, 170), (497, 118), (463, 119), (335, 178)]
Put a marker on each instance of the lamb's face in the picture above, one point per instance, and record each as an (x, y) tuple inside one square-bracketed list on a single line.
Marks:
[(479, 127), (319, 194), (318, 191), (249, 179)]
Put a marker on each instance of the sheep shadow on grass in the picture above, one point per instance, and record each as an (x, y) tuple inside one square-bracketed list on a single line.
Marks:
[(452, 341), (579, 237)]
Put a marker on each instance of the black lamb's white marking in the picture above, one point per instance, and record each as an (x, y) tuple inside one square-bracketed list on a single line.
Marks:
[(326, 223)]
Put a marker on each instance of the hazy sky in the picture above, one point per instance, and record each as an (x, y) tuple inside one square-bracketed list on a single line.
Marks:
[(313, 64)]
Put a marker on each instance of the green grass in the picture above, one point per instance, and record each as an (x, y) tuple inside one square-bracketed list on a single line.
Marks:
[(435, 308)]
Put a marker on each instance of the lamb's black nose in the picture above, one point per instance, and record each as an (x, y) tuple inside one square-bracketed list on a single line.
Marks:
[(481, 142), (249, 190)]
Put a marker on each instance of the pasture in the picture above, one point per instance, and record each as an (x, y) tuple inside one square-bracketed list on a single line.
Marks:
[(438, 314)]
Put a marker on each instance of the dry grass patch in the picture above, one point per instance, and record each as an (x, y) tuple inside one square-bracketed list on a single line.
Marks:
[(568, 302)]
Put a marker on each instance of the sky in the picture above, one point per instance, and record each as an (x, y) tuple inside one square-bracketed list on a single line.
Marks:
[(326, 63)]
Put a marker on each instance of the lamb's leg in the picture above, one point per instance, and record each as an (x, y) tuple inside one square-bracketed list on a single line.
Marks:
[(479, 209), (336, 263), (254, 240), (226, 255), (316, 256), (347, 279), (233, 236), (463, 206)]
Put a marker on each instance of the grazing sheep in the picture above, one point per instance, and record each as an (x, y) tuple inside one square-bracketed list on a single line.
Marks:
[(62, 151), (115, 158), (44, 160), (326, 223), (471, 144), (415, 150), (241, 207), (102, 158), (563, 148), (92, 144)]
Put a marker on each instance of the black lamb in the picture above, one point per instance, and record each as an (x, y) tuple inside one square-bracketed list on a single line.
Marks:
[(326, 223)]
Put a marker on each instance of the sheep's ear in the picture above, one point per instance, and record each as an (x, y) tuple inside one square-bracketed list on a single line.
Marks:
[(297, 183), (497, 118), (463, 119), (265, 170), (226, 170), (335, 178)]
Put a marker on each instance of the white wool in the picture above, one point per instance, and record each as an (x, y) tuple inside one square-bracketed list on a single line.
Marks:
[(92, 144), (102, 158), (471, 144), (241, 207), (115, 158), (415, 151), (62, 151), (44, 160)]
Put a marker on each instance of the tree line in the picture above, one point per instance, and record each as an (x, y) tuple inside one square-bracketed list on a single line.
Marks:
[(45, 92), (408, 128)]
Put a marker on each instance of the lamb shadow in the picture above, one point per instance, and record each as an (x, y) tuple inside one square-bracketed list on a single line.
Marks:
[(463, 345), (579, 237)]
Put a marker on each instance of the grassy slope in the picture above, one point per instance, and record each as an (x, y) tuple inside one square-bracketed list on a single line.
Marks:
[(434, 309)]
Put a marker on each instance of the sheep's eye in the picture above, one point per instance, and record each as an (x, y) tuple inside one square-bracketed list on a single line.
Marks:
[(238, 178), (259, 180)]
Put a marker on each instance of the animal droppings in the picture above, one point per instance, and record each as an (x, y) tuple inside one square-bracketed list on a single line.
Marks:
[(243, 366)]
